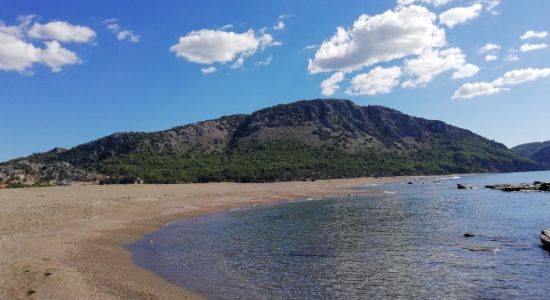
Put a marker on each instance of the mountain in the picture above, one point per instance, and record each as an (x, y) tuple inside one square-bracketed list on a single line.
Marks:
[(539, 152), (305, 140)]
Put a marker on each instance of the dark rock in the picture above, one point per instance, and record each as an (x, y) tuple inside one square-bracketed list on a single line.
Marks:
[(465, 187), (523, 187), (545, 238)]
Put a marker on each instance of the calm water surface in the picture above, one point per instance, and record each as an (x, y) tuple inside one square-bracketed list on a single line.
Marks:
[(405, 242)]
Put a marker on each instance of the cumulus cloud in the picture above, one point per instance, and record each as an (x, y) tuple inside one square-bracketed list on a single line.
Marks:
[(121, 34), (527, 47), (432, 2), (330, 85), (18, 53), (209, 46), (520, 76), (491, 57), (434, 62), (459, 15), (378, 81), (530, 34), (394, 34), (61, 31), (470, 90), (208, 70), (489, 48), (514, 77), (467, 70)]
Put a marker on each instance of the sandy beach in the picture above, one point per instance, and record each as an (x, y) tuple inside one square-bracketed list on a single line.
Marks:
[(66, 242)]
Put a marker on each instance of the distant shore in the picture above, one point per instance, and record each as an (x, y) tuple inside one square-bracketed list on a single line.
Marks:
[(66, 242)]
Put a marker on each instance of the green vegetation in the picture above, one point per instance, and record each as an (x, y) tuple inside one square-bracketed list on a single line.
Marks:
[(292, 160)]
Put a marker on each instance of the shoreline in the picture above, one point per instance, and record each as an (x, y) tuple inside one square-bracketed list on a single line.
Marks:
[(67, 242)]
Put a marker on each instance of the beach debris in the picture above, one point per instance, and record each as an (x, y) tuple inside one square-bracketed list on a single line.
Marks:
[(545, 238), (522, 187), (30, 292)]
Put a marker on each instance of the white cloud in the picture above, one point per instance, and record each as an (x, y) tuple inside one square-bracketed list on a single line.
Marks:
[(121, 34), (470, 90), (394, 34), (310, 47), (56, 56), (520, 76), (330, 85), (514, 77), (226, 27), (238, 63), (378, 81), (18, 54), (489, 48), (279, 26), (434, 62), (532, 47), (208, 70), (491, 57), (491, 5), (432, 2), (459, 15), (466, 71), (208, 46), (266, 61), (62, 32), (530, 34), (511, 57)]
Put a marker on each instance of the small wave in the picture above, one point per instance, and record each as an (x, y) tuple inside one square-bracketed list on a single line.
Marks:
[(451, 178), (390, 192), (235, 209)]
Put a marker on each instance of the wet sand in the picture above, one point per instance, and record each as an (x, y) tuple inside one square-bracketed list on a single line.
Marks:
[(66, 242)]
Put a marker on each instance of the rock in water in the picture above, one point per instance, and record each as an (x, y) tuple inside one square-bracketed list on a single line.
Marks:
[(465, 186), (523, 187), (545, 238)]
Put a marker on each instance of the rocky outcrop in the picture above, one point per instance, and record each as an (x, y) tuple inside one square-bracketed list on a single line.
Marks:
[(545, 238), (523, 187), (25, 173)]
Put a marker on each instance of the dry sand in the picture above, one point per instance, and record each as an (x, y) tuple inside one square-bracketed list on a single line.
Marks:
[(65, 242)]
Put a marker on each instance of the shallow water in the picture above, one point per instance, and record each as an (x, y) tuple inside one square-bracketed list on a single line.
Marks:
[(405, 242)]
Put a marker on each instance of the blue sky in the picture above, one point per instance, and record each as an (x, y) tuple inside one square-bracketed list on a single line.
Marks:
[(74, 71)]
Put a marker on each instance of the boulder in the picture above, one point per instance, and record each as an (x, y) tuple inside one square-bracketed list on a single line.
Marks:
[(545, 238)]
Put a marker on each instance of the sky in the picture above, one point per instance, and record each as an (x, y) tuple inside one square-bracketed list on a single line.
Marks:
[(74, 71)]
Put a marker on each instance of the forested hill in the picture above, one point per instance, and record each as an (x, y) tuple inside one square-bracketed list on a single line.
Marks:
[(304, 140), (539, 152)]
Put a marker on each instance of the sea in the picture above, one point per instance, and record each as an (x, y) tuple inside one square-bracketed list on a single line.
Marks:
[(403, 241)]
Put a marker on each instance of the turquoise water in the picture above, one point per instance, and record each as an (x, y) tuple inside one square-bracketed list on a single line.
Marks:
[(405, 242)]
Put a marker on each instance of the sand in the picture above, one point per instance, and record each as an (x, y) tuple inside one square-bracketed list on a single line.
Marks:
[(66, 242)]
